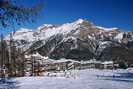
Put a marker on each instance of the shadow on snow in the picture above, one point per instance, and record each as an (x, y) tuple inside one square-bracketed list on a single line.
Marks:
[(120, 77), (8, 83)]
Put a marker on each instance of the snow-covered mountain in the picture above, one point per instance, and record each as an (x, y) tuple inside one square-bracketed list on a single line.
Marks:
[(79, 40)]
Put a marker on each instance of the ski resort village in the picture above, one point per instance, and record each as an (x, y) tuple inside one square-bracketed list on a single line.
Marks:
[(77, 55), (66, 44)]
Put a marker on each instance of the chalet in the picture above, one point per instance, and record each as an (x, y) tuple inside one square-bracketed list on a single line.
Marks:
[(97, 64), (59, 65), (108, 65), (90, 64), (37, 64)]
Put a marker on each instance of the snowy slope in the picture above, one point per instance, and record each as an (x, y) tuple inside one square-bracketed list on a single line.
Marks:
[(22, 34), (106, 28), (47, 30), (85, 79)]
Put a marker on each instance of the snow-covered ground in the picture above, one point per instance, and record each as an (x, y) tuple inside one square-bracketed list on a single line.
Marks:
[(83, 79)]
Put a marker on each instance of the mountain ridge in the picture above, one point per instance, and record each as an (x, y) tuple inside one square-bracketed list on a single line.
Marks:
[(79, 40)]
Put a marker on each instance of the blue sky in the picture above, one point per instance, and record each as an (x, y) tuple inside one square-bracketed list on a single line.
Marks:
[(107, 13)]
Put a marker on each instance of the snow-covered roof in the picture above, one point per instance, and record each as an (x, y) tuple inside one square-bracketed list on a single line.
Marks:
[(66, 60), (107, 62), (61, 60), (90, 61)]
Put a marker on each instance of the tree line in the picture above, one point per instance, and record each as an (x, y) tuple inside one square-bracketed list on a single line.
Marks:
[(13, 14), (11, 58)]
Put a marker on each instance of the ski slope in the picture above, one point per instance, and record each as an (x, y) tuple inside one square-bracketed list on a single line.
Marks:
[(83, 79)]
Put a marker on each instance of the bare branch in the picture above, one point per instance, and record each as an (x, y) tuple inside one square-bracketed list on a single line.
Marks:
[(11, 14)]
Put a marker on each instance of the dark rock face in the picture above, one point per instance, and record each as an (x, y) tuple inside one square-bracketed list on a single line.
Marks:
[(70, 48), (112, 51), (80, 55), (50, 45), (73, 49)]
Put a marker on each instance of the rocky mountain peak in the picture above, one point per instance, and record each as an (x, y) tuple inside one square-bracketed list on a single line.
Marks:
[(79, 40)]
